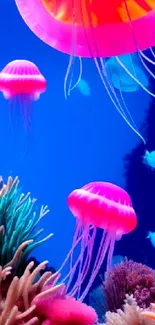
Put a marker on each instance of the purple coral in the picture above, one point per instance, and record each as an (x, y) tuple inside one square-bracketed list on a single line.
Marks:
[(129, 278)]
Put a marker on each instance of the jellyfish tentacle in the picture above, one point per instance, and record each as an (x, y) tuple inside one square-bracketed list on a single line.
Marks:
[(85, 263), (152, 52), (106, 83), (116, 106), (72, 271), (90, 250), (134, 78), (71, 59), (140, 53), (79, 76), (76, 240), (70, 64), (124, 111), (111, 250), (104, 245), (76, 286)]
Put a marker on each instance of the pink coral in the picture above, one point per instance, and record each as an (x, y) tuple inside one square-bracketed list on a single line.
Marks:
[(67, 311)]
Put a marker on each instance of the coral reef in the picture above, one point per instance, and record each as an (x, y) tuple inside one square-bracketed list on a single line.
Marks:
[(25, 301), (16, 297), (129, 278), (29, 293), (130, 315), (18, 224)]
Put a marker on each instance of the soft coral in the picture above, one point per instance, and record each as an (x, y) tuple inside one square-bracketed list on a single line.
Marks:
[(66, 311)]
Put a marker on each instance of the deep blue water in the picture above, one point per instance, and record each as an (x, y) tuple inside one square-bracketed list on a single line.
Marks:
[(71, 143)]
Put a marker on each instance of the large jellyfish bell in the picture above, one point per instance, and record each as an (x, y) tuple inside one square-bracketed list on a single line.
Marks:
[(96, 205), (97, 29)]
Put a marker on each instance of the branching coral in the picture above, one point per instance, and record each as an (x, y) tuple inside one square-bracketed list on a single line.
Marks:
[(130, 315), (18, 222), (16, 307), (129, 278)]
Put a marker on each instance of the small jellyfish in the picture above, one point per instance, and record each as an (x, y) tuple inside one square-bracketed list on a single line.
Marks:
[(22, 83), (96, 205), (119, 77), (149, 159), (83, 87), (151, 236)]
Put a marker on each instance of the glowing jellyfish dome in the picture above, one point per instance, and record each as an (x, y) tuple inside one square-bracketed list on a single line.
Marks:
[(21, 83), (96, 29), (96, 205)]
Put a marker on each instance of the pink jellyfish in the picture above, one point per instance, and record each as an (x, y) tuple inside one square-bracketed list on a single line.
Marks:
[(21, 82), (97, 29), (96, 205)]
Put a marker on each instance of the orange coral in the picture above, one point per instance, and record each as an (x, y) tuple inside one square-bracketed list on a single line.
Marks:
[(150, 314)]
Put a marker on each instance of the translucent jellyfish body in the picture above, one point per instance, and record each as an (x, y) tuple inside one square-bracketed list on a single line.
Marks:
[(120, 79), (96, 205), (22, 83)]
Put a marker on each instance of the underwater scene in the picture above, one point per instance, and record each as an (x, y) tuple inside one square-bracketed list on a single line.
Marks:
[(77, 172)]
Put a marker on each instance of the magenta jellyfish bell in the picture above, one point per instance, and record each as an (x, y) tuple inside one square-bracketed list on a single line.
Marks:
[(22, 83), (96, 205)]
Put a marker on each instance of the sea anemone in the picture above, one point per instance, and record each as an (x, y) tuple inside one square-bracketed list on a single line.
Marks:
[(16, 306), (129, 278), (131, 314), (65, 311), (18, 222)]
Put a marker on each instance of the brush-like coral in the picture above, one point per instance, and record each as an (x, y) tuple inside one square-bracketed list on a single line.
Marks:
[(16, 299), (18, 222), (131, 314), (129, 278)]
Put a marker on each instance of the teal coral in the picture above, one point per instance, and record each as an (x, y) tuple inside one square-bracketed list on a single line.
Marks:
[(18, 225)]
